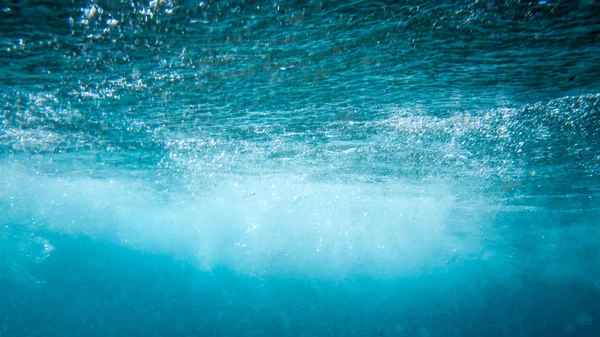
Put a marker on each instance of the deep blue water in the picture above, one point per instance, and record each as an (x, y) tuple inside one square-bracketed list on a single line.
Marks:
[(299, 168)]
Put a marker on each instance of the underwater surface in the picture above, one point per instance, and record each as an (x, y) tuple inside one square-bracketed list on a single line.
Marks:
[(299, 168)]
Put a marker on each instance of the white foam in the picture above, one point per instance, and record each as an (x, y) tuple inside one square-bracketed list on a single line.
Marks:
[(258, 225)]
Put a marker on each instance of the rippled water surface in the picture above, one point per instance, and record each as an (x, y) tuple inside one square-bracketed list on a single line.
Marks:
[(299, 168)]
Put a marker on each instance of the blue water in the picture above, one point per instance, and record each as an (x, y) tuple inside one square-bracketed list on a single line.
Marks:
[(299, 168)]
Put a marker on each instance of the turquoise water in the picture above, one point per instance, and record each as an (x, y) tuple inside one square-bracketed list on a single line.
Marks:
[(299, 168)]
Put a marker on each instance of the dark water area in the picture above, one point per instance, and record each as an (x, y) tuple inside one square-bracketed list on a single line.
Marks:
[(299, 168), (93, 288)]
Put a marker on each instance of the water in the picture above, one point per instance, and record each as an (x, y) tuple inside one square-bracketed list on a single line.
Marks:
[(299, 168)]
